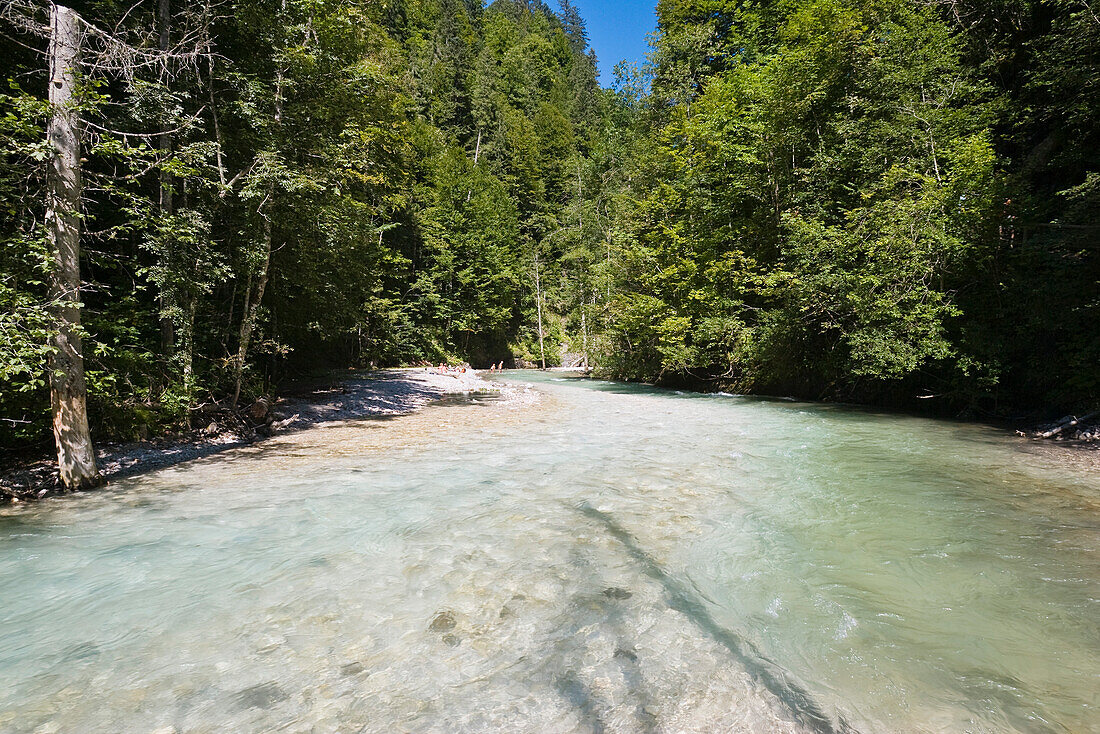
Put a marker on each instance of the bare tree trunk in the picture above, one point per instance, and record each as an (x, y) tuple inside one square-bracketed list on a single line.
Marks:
[(251, 309), (187, 334), (538, 305), (217, 129), (477, 153), (580, 202), (1073, 421), (68, 392), (187, 356), (164, 190), (584, 336), (607, 247)]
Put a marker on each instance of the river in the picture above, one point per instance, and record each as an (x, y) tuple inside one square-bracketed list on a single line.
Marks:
[(612, 558)]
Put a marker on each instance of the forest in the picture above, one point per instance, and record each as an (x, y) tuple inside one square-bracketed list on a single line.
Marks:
[(891, 202)]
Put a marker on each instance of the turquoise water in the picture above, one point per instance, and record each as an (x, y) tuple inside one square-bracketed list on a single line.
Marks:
[(611, 558)]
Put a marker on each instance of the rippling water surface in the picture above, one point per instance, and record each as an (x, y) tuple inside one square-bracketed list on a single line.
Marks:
[(613, 558)]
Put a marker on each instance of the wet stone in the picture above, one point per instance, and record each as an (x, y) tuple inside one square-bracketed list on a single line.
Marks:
[(270, 644), (451, 641), (81, 651), (262, 696), (442, 622), (624, 654), (354, 668)]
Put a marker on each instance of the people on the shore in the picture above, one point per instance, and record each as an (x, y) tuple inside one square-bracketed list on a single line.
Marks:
[(446, 369)]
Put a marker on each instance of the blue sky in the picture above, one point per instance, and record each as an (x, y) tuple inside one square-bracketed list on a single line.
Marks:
[(617, 30)]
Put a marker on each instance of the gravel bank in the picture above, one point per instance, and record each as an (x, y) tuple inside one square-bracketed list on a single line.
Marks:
[(361, 395)]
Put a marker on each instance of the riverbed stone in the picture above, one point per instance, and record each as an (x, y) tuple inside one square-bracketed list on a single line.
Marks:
[(442, 622), (262, 696), (353, 668), (625, 654)]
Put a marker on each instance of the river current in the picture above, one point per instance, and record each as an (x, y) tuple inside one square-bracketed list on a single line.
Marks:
[(612, 558)]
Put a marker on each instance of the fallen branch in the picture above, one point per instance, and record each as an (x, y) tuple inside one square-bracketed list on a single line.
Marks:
[(1070, 423), (280, 425)]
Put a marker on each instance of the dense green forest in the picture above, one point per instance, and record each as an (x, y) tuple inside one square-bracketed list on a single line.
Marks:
[(887, 201), (882, 201)]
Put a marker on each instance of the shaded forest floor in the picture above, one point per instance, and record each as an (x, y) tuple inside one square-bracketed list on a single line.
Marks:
[(381, 393)]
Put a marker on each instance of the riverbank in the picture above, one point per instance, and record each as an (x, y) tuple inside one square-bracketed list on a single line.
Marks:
[(1078, 434), (376, 394)]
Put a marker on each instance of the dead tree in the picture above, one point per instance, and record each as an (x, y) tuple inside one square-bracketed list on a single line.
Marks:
[(68, 393), (75, 51), (538, 306), (164, 180)]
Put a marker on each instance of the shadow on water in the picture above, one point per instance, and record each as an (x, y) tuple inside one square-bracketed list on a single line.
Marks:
[(573, 690), (797, 700), (603, 611)]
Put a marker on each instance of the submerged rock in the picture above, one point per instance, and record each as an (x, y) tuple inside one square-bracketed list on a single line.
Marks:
[(262, 696), (625, 654), (353, 668), (614, 592), (442, 622), (81, 651)]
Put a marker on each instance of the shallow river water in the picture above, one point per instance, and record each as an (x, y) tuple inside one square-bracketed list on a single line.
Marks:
[(611, 558)]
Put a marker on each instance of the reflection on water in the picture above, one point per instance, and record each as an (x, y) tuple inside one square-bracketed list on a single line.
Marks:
[(611, 559)]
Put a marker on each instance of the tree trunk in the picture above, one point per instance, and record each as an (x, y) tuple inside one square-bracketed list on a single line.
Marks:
[(1070, 423), (68, 392), (584, 337), (607, 246), (477, 153), (251, 309), (217, 129), (164, 191), (538, 305), (580, 202), (187, 356)]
